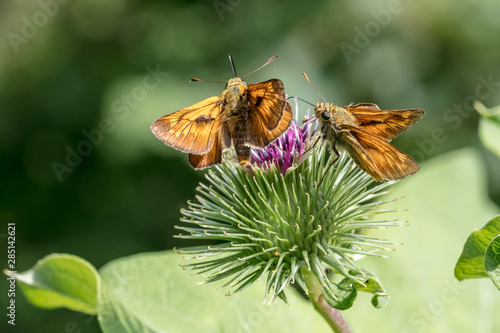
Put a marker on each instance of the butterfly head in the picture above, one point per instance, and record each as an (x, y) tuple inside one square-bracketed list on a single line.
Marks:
[(324, 111), (236, 83), (235, 93)]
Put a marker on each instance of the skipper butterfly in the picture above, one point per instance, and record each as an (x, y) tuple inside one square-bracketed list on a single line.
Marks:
[(364, 131), (246, 116)]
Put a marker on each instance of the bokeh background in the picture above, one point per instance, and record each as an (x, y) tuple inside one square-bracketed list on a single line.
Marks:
[(81, 82)]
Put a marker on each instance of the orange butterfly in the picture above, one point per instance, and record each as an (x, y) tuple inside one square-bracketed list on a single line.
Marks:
[(365, 131), (248, 117)]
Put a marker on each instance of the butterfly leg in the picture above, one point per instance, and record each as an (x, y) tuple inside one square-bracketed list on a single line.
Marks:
[(312, 147), (333, 162), (336, 152)]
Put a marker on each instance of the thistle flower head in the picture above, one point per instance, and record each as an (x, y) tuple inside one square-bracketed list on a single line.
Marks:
[(276, 223), (287, 150)]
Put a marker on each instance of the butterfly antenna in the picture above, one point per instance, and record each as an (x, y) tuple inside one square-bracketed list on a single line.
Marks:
[(200, 80), (232, 65), (309, 119), (303, 100), (267, 63), (313, 87)]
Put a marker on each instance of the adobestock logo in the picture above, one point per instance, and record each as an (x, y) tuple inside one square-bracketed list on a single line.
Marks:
[(121, 107), (225, 6), (425, 315), (454, 116), (255, 317), (362, 38), (30, 28)]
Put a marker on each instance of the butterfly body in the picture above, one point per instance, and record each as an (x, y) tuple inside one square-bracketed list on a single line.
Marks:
[(364, 131), (234, 117), (246, 116)]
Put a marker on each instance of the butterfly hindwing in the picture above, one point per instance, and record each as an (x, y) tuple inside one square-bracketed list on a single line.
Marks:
[(214, 156), (381, 160)]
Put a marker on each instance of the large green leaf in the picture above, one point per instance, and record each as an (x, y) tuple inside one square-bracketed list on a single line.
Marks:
[(151, 293), (443, 203), (470, 265), (492, 261), (61, 280), (489, 127)]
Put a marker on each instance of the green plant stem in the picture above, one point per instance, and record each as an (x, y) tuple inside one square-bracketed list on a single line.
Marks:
[(332, 316)]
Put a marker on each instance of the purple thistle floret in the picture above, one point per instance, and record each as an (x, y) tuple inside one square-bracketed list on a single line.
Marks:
[(286, 150)]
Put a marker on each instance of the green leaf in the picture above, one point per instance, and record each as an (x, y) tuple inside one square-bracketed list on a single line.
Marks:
[(492, 261), (61, 280), (380, 301), (470, 265), (340, 296), (443, 203), (489, 127), (373, 285), (151, 293)]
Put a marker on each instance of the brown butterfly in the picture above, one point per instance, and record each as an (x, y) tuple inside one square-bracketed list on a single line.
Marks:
[(247, 116), (365, 131)]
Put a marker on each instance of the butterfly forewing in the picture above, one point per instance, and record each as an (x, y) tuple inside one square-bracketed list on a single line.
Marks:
[(259, 135), (284, 123), (267, 101), (269, 113), (192, 129), (386, 124)]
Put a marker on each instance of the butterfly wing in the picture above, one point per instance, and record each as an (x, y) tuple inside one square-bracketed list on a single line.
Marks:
[(381, 160), (222, 141), (386, 124), (214, 156), (192, 129), (269, 113)]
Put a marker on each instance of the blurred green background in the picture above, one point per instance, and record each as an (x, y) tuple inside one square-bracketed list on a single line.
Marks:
[(81, 82)]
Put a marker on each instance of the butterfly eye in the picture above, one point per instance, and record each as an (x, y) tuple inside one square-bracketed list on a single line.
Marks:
[(326, 115)]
